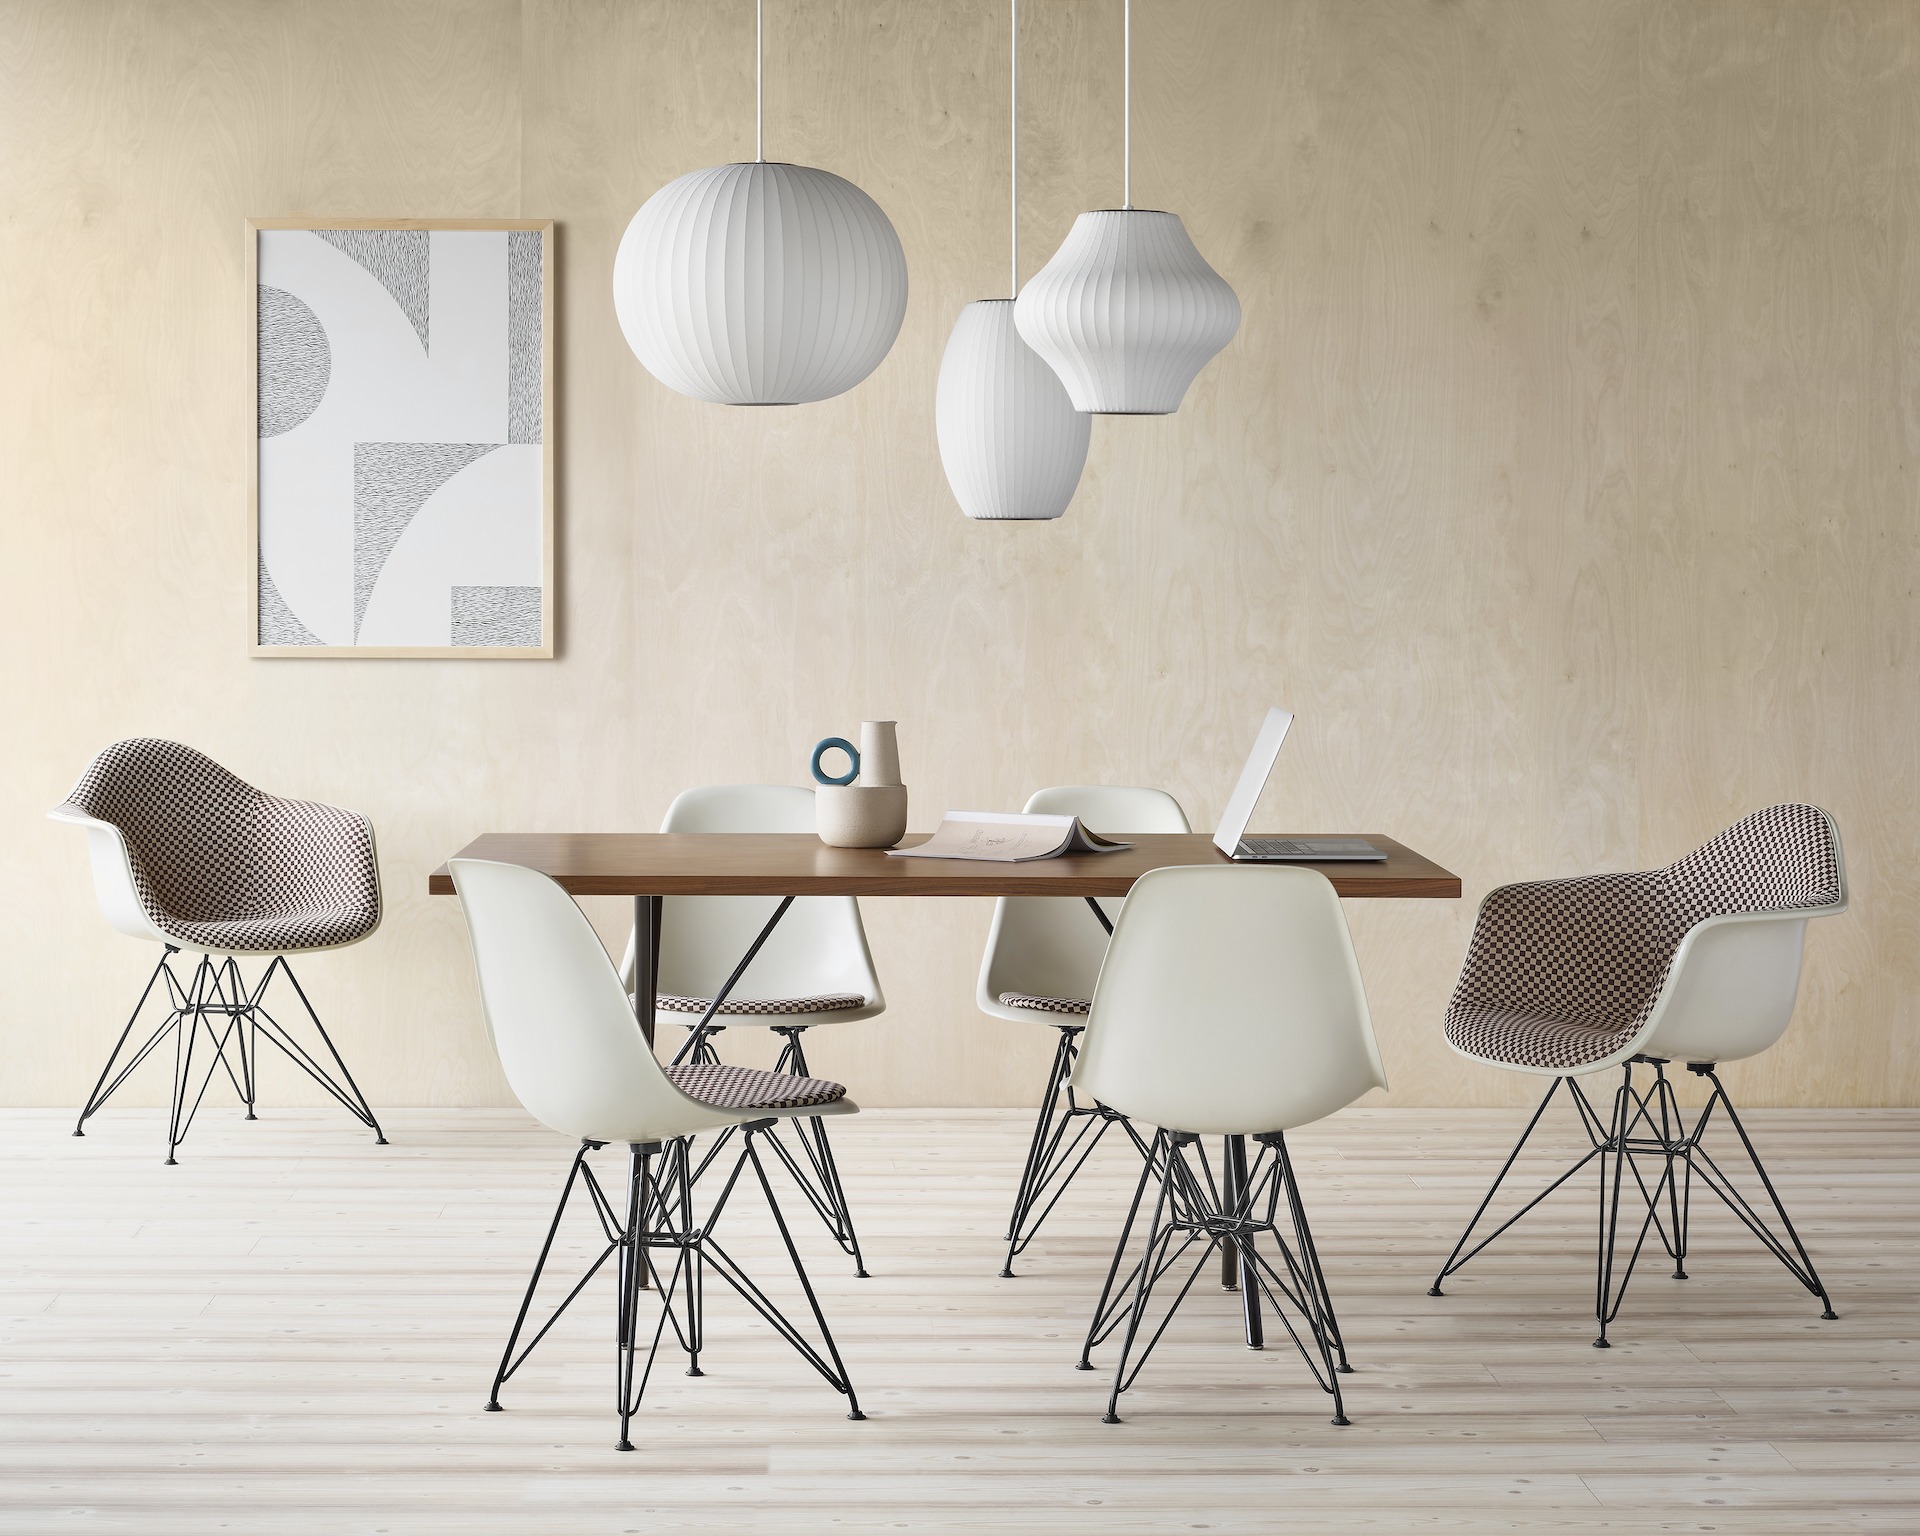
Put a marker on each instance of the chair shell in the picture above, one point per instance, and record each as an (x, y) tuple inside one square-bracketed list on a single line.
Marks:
[(1052, 946), (186, 853), (818, 949), (1698, 961), (1230, 1003), (561, 1021)]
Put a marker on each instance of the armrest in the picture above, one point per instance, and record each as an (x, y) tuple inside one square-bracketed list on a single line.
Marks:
[(1730, 992), (115, 886), (347, 861), (1592, 950)]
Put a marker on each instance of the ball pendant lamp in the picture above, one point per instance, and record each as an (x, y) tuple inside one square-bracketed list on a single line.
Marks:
[(1011, 442), (760, 283), (1127, 311)]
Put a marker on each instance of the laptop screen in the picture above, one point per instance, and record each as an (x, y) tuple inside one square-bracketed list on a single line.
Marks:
[(1253, 779)]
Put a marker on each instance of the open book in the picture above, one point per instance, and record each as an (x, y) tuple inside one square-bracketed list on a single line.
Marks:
[(1009, 838)]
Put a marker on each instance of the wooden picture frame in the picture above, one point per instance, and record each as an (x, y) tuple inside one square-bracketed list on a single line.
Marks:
[(389, 480)]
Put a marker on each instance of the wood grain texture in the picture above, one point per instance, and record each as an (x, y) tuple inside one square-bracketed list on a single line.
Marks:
[(1561, 476), (799, 864), (294, 1331)]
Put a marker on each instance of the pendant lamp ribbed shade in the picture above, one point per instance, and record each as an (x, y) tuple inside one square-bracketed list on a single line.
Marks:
[(1127, 312), (760, 284), (1012, 444)]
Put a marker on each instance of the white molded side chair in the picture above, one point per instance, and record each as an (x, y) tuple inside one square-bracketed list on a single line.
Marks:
[(807, 964), (564, 1029), (1042, 958), (1230, 1004), (1698, 962), (197, 860)]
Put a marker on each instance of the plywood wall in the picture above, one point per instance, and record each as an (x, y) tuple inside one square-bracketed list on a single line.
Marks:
[(1562, 476)]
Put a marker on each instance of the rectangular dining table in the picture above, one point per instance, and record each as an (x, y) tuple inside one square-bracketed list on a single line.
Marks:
[(649, 866)]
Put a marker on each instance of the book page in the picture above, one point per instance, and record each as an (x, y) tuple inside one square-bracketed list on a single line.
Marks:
[(1008, 837), (1007, 840)]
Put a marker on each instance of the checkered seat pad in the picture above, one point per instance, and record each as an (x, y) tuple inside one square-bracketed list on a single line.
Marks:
[(1563, 973), (219, 863), (727, 1087), (831, 1002), (1033, 1002)]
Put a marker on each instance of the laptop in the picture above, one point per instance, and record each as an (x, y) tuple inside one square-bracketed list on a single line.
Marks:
[(1231, 839)]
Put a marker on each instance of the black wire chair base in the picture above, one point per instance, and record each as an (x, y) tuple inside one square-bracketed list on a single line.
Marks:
[(214, 1002), (1065, 1134), (812, 1166), (657, 1215), (1195, 1213), (1648, 1123)]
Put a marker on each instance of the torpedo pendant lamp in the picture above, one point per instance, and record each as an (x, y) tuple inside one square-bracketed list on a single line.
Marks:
[(1127, 311), (1012, 444), (760, 283)]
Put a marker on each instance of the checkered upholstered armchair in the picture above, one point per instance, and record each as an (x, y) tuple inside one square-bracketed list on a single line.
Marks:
[(1698, 963), (196, 859)]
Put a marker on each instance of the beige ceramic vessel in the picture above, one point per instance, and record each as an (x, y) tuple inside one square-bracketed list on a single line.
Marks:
[(860, 815)]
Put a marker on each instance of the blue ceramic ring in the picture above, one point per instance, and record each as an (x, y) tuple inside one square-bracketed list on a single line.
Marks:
[(853, 761)]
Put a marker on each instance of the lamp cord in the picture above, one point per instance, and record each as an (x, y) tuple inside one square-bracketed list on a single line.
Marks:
[(1127, 131), (759, 82), (1013, 91)]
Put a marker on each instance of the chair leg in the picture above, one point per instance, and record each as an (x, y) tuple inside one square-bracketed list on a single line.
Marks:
[(1319, 1301), (823, 1189), (103, 1088), (1191, 1212), (1158, 1234), (1797, 1262), (1610, 1210), (1310, 1256), (342, 1087), (627, 1324), (838, 1375), (1065, 1134), (1457, 1259), (1101, 1323), (508, 1363), (206, 1000), (1057, 1071)]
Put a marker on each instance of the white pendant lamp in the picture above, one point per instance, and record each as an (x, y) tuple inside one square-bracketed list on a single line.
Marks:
[(1012, 444), (760, 284), (1127, 311)]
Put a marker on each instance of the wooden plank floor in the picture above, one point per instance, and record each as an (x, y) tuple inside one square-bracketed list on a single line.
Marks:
[(294, 1329)]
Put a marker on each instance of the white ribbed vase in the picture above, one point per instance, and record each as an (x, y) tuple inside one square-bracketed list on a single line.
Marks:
[(1127, 312), (1011, 441), (760, 284)]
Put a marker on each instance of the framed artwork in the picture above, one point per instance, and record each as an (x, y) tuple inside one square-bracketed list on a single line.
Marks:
[(402, 488)]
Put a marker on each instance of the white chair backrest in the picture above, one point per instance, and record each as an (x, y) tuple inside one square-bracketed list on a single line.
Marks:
[(559, 1018), (820, 946), (1052, 946), (1230, 1004), (1730, 990)]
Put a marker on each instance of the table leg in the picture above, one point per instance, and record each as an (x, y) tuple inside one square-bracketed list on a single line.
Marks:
[(1236, 1270), (646, 988), (646, 960)]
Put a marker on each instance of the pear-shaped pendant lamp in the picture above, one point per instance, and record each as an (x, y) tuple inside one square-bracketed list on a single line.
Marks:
[(1012, 444), (760, 283), (1127, 311)]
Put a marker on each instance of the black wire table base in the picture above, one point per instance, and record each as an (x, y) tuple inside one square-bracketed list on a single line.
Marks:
[(658, 1214), (1194, 1210), (1648, 1123), (812, 1168), (1065, 1134), (214, 1002)]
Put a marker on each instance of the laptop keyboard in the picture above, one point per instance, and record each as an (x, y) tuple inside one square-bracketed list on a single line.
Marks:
[(1271, 847)]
